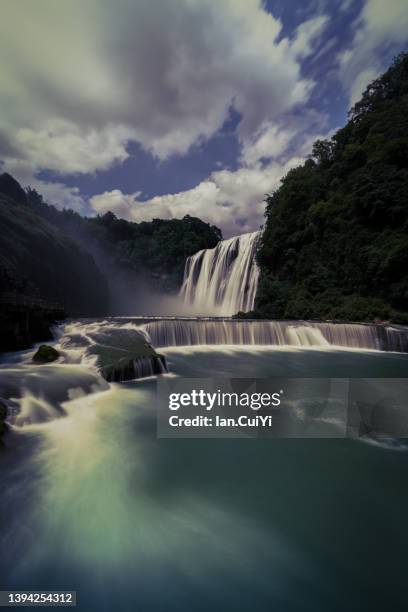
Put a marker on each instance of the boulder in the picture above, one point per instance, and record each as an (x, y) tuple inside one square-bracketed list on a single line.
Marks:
[(45, 354), (125, 354), (133, 368)]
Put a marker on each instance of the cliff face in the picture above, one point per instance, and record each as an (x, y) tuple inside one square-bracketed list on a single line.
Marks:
[(37, 259), (335, 243)]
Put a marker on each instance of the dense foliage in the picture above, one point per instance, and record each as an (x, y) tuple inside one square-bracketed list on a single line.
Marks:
[(156, 250), (39, 261), (335, 244), (153, 251), (52, 253)]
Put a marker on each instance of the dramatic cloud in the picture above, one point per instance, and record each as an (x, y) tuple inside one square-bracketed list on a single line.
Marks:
[(381, 26), (231, 200), (82, 79)]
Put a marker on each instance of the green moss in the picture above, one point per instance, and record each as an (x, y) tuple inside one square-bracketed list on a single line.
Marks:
[(45, 354)]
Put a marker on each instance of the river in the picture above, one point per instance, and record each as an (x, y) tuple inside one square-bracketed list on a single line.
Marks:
[(92, 501)]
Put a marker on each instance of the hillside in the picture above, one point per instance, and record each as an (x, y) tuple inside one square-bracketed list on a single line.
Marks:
[(92, 265), (153, 252), (335, 244), (38, 260), (54, 262)]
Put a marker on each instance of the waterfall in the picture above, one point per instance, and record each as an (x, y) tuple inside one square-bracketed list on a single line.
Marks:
[(188, 332), (222, 281)]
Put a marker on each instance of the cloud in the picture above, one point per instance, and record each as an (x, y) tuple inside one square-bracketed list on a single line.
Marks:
[(360, 82), (268, 142), (53, 192), (231, 200), (61, 195), (63, 147), (292, 136), (307, 35), (345, 5), (81, 80), (381, 26), (115, 201)]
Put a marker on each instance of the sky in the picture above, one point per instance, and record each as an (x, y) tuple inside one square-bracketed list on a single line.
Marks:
[(161, 108)]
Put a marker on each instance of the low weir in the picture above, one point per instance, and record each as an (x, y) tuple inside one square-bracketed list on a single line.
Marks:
[(189, 332)]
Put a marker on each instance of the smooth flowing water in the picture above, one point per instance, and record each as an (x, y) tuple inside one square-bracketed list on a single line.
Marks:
[(306, 334), (222, 281), (93, 501)]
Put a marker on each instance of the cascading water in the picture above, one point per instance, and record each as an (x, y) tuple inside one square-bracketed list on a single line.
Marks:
[(120, 352), (93, 501), (222, 281), (306, 334)]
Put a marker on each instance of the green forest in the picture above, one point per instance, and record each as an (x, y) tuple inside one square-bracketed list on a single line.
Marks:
[(154, 251), (60, 255), (335, 243)]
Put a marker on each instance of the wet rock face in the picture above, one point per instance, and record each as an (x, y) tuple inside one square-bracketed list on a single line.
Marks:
[(130, 369), (122, 353), (3, 415), (45, 354)]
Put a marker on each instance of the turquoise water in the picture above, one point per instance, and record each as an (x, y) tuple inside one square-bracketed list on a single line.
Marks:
[(92, 501)]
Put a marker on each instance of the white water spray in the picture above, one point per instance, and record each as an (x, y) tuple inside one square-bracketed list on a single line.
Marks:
[(222, 281)]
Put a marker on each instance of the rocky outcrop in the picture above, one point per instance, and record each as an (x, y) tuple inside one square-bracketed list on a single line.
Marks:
[(133, 368), (3, 416), (45, 354), (125, 354), (26, 319)]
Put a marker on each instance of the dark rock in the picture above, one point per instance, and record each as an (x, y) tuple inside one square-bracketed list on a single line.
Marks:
[(21, 324), (3, 415), (45, 354), (131, 369), (126, 355), (39, 262), (3, 410)]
